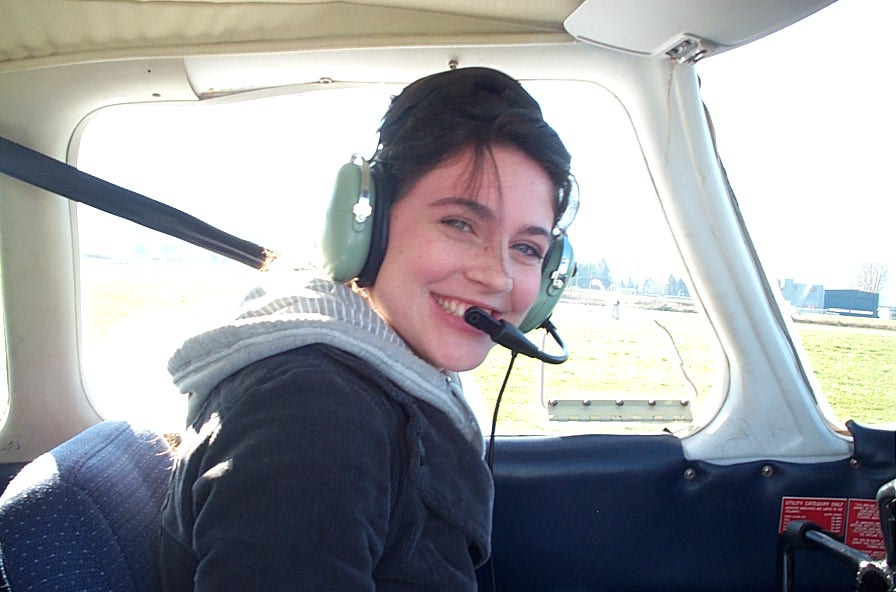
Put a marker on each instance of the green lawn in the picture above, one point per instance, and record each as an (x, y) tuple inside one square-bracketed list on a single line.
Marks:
[(856, 369), (646, 353), (637, 356)]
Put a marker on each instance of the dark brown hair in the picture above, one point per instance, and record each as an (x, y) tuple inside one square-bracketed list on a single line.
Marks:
[(438, 117)]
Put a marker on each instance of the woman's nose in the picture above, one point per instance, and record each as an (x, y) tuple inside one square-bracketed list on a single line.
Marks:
[(491, 267)]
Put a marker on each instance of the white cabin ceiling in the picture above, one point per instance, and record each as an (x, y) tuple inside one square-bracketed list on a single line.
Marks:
[(41, 33)]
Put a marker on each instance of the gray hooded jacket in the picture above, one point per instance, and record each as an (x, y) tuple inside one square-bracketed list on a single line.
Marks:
[(322, 454)]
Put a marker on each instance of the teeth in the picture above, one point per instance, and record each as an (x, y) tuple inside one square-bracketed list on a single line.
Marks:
[(452, 307)]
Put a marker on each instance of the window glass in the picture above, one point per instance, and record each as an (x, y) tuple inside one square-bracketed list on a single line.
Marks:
[(807, 138), (641, 357), (4, 376), (263, 169)]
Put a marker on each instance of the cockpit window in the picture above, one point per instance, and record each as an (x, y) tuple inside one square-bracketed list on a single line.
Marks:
[(643, 356), (4, 376), (256, 169), (807, 141)]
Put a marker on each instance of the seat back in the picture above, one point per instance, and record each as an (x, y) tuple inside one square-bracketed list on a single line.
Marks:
[(86, 515)]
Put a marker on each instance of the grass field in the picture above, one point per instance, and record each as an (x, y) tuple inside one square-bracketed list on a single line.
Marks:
[(634, 357), (646, 354), (856, 369)]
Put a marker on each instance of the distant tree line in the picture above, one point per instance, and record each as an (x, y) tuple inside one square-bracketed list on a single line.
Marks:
[(597, 276), (872, 276)]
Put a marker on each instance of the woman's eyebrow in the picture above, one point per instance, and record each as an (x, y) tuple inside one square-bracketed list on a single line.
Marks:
[(486, 213), (478, 208), (538, 231)]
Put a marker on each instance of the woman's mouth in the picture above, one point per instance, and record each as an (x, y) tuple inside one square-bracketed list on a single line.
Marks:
[(455, 307)]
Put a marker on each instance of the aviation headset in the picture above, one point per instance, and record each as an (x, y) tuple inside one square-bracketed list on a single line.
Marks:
[(356, 233)]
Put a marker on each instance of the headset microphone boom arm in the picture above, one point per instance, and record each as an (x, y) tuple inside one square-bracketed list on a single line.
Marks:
[(505, 334)]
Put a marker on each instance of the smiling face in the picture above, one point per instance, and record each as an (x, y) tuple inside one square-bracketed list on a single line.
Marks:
[(456, 243)]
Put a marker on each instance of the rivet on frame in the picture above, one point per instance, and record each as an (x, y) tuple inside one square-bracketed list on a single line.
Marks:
[(767, 470), (552, 402), (690, 473), (586, 402), (854, 463)]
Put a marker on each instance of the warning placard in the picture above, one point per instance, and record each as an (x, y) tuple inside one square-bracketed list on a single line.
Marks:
[(827, 512), (863, 531), (856, 520)]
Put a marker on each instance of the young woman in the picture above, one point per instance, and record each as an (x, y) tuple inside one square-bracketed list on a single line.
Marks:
[(329, 444)]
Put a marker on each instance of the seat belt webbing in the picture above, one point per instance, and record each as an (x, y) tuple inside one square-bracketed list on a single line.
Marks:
[(40, 170)]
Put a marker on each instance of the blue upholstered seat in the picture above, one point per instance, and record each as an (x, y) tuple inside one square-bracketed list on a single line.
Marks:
[(85, 516)]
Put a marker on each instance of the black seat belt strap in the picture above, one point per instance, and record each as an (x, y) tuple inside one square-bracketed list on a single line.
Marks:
[(40, 170)]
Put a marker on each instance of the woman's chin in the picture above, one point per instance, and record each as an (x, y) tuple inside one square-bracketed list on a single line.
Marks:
[(462, 357)]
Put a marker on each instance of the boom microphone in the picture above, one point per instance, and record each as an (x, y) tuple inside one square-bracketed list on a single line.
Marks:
[(506, 335)]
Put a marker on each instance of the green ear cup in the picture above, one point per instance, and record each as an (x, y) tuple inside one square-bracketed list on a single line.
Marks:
[(349, 223), (557, 270)]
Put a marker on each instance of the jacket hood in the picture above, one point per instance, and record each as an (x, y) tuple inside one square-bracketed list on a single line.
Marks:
[(291, 310)]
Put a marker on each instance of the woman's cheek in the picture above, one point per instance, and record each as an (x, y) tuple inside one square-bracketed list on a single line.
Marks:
[(526, 293)]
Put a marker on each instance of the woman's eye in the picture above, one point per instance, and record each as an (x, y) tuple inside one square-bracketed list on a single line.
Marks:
[(529, 250), (458, 224)]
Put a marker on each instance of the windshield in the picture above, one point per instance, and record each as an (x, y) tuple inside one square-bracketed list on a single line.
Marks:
[(263, 167), (805, 127)]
